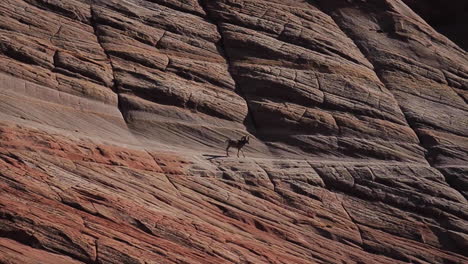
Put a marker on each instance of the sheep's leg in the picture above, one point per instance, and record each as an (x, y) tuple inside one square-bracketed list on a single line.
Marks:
[(238, 150), (227, 151), (243, 153)]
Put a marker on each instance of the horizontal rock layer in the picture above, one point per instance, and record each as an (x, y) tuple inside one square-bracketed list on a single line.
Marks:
[(114, 116)]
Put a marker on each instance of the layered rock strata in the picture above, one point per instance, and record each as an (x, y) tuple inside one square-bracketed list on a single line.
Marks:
[(113, 116), (447, 19), (427, 77)]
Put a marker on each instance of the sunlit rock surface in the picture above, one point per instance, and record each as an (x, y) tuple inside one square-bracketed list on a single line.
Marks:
[(114, 116)]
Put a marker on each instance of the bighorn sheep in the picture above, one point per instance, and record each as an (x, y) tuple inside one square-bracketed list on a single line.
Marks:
[(238, 144)]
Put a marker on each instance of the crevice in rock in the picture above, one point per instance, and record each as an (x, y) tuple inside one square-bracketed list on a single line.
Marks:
[(23, 237), (55, 63), (352, 220), (456, 182), (30, 239), (115, 83), (447, 80), (167, 177), (172, 183), (269, 177), (426, 147), (447, 19), (434, 213), (408, 119), (56, 33), (143, 227), (96, 248), (250, 122), (94, 24)]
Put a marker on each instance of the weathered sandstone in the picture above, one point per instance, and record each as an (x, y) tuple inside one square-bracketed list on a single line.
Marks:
[(114, 116)]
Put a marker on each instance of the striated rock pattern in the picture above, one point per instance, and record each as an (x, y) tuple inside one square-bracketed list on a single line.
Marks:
[(445, 18), (114, 116), (308, 85), (431, 90)]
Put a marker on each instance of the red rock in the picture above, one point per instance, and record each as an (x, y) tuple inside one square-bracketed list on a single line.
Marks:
[(114, 116)]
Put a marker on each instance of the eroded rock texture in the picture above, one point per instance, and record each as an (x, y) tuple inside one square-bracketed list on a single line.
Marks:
[(448, 19), (427, 77), (113, 117)]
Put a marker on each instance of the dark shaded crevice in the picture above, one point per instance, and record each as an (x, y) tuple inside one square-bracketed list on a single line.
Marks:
[(23, 237), (278, 93), (430, 149), (76, 205), (143, 227), (411, 123), (21, 232), (270, 177), (389, 252), (20, 55), (250, 122), (353, 221), (303, 191), (94, 24), (96, 248), (447, 18), (456, 178), (115, 83), (77, 252), (437, 213)]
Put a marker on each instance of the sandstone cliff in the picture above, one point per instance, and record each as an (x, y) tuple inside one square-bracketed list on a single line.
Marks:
[(114, 116)]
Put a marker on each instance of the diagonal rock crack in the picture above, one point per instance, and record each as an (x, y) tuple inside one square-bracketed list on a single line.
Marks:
[(409, 122), (251, 118)]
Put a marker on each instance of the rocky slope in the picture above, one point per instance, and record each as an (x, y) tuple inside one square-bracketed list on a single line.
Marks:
[(448, 19), (113, 117)]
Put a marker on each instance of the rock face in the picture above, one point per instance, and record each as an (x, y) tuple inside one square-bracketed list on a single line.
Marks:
[(445, 18), (114, 116)]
